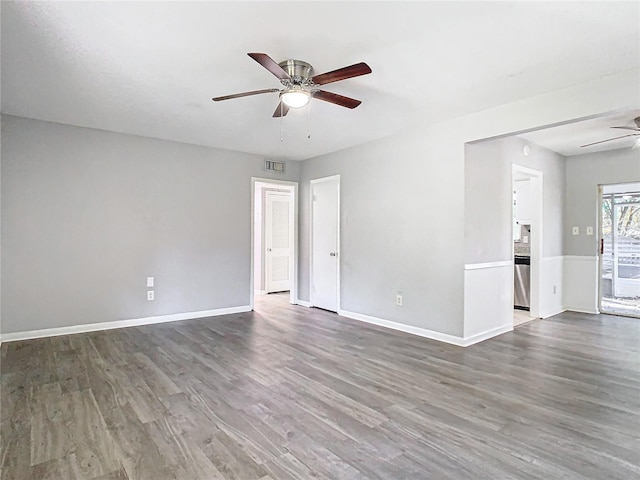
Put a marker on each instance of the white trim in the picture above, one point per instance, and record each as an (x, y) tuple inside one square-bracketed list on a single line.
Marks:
[(93, 327), (477, 266), (537, 240), (325, 179), (551, 313), (526, 170), (423, 332), (585, 310), (302, 303), (581, 283), (294, 186), (479, 337), (267, 227), (259, 292), (552, 275)]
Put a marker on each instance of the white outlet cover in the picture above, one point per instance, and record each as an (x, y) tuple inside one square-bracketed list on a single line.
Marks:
[(575, 230), (589, 230), (149, 281), (525, 239), (150, 295)]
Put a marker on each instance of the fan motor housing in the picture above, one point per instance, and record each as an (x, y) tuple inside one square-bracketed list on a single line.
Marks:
[(297, 69)]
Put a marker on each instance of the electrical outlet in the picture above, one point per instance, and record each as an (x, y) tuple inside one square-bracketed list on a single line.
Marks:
[(150, 295), (399, 300), (589, 230), (149, 281), (575, 230)]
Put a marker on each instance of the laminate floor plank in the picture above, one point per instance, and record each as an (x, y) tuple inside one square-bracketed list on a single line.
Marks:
[(288, 392), (179, 453)]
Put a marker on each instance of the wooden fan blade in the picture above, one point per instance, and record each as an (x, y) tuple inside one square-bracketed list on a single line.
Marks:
[(609, 139), (281, 110), (635, 129), (245, 94), (342, 74), (270, 64), (337, 99)]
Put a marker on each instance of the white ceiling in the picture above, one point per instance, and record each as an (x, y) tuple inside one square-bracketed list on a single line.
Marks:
[(567, 139), (151, 68)]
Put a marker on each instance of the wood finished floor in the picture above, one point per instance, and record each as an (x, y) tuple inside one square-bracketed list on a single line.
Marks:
[(294, 393)]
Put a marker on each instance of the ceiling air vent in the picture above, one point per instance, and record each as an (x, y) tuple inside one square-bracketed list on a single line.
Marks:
[(272, 166)]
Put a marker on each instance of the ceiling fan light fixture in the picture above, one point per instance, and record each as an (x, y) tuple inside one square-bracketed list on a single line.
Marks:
[(295, 97)]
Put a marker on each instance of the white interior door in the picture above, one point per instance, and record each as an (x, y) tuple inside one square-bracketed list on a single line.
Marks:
[(324, 243), (278, 241)]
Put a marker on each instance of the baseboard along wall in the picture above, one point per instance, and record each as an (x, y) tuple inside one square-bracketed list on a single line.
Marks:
[(136, 322)]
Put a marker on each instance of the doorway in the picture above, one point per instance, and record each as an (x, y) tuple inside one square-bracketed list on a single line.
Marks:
[(619, 250), (325, 242), (527, 243), (274, 236)]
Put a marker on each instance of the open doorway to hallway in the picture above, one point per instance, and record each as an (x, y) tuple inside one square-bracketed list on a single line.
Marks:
[(620, 249), (274, 239)]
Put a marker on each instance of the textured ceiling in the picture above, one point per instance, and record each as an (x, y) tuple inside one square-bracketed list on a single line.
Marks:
[(151, 68)]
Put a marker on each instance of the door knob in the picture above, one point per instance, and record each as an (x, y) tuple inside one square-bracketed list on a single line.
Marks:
[(334, 254)]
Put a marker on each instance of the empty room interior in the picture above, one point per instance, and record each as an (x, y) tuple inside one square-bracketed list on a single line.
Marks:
[(341, 240)]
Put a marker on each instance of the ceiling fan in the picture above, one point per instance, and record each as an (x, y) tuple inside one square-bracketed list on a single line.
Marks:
[(300, 86), (633, 129)]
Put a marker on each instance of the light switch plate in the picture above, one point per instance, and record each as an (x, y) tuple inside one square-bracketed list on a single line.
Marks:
[(575, 230), (589, 230), (149, 281), (525, 239)]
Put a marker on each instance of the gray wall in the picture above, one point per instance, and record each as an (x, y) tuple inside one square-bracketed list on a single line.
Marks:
[(488, 197), (87, 215), (401, 228), (584, 174)]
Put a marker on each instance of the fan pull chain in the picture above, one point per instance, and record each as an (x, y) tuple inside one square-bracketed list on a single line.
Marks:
[(281, 124), (309, 121)]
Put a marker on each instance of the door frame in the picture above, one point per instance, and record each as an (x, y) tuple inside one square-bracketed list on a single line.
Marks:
[(599, 218), (536, 237), (268, 229), (338, 242), (599, 225), (293, 267)]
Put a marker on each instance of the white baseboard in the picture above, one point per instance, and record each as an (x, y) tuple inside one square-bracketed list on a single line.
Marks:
[(423, 332), (479, 266), (482, 336), (93, 327), (582, 310), (551, 313), (302, 303)]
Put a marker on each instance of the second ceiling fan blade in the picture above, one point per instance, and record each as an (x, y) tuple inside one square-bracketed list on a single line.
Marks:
[(337, 99), (342, 74), (270, 64), (245, 94), (635, 129), (281, 110), (610, 139)]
